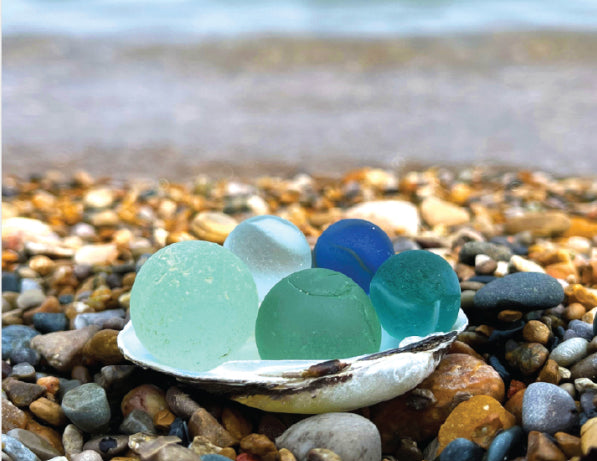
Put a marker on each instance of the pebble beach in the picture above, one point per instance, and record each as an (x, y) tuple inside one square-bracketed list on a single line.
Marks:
[(519, 383)]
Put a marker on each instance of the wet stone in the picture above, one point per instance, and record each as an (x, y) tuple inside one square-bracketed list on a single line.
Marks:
[(548, 408), (461, 449), (48, 322)]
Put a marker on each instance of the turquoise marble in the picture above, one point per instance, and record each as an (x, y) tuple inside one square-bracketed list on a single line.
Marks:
[(415, 293), (194, 305), (316, 314)]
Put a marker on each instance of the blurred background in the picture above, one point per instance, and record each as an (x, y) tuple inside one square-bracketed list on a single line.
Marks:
[(174, 88)]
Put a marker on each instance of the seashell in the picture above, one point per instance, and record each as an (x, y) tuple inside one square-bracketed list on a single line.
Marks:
[(311, 386)]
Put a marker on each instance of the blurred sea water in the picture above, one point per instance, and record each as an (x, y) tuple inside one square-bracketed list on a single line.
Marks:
[(179, 87)]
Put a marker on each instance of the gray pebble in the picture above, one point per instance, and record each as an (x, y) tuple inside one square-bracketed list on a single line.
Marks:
[(38, 445), (97, 318), (525, 291), (48, 322), (351, 436), (30, 298), (137, 421), (72, 440), (586, 368), (582, 329), (548, 408), (506, 445), (87, 455), (16, 450), (570, 351), (470, 250), (23, 370), (114, 374), (87, 407)]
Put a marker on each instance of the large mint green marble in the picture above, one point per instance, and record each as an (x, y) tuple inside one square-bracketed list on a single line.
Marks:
[(415, 293), (316, 314), (194, 305)]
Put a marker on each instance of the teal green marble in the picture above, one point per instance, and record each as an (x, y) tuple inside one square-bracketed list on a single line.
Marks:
[(316, 314), (194, 305), (415, 293)]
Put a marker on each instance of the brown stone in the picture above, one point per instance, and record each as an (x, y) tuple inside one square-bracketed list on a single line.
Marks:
[(528, 357), (322, 454), (569, 444), (588, 436), (509, 315), (457, 377), (202, 446), (536, 332), (550, 372), (514, 405), (49, 305), (562, 271), (260, 445), (51, 435), (50, 383), (435, 211), (12, 416), (574, 311), (286, 455), (204, 424), (163, 419), (458, 347), (147, 397), (540, 448), (63, 349), (180, 403), (21, 393), (582, 227), (48, 411), (235, 423), (478, 419), (581, 294), (540, 224), (102, 348)]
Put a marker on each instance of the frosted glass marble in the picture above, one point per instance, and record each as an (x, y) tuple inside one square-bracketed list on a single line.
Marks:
[(415, 293), (271, 247), (316, 314), (194, 305), (354, 247)]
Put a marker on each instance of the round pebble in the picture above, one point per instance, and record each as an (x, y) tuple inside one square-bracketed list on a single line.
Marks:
[(506, 445), (25, 354), (47, 322), (271, 247), (16, 450), (194, 305), (461, 450), (523, 291), (415, 293), (354, 247), (548, 408), (570, 351), (87, 407)]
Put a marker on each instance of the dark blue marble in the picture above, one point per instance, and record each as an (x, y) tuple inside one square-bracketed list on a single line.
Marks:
[(354, 247)]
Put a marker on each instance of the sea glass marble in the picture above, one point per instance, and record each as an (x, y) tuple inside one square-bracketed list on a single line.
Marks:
[(415, 293), (354, 247), (271, 247), (194, 305), (316, 314)]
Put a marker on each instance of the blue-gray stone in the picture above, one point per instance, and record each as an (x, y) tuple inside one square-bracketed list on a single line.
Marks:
[(97, 318), (462, 450), (66, 385), (548, 408), (581, 329), (23, 370), (506, 445), (587, 405), (66, 299), (37, 444), (11, 282), (25, 354), (15, 337), (29, 284), (16, 450), (48, 322), (524, 291), (570, 351), (470, 250), (86, 406), (180, 429)]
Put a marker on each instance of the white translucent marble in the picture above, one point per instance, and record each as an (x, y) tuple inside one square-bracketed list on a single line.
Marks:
[(271, 247)]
